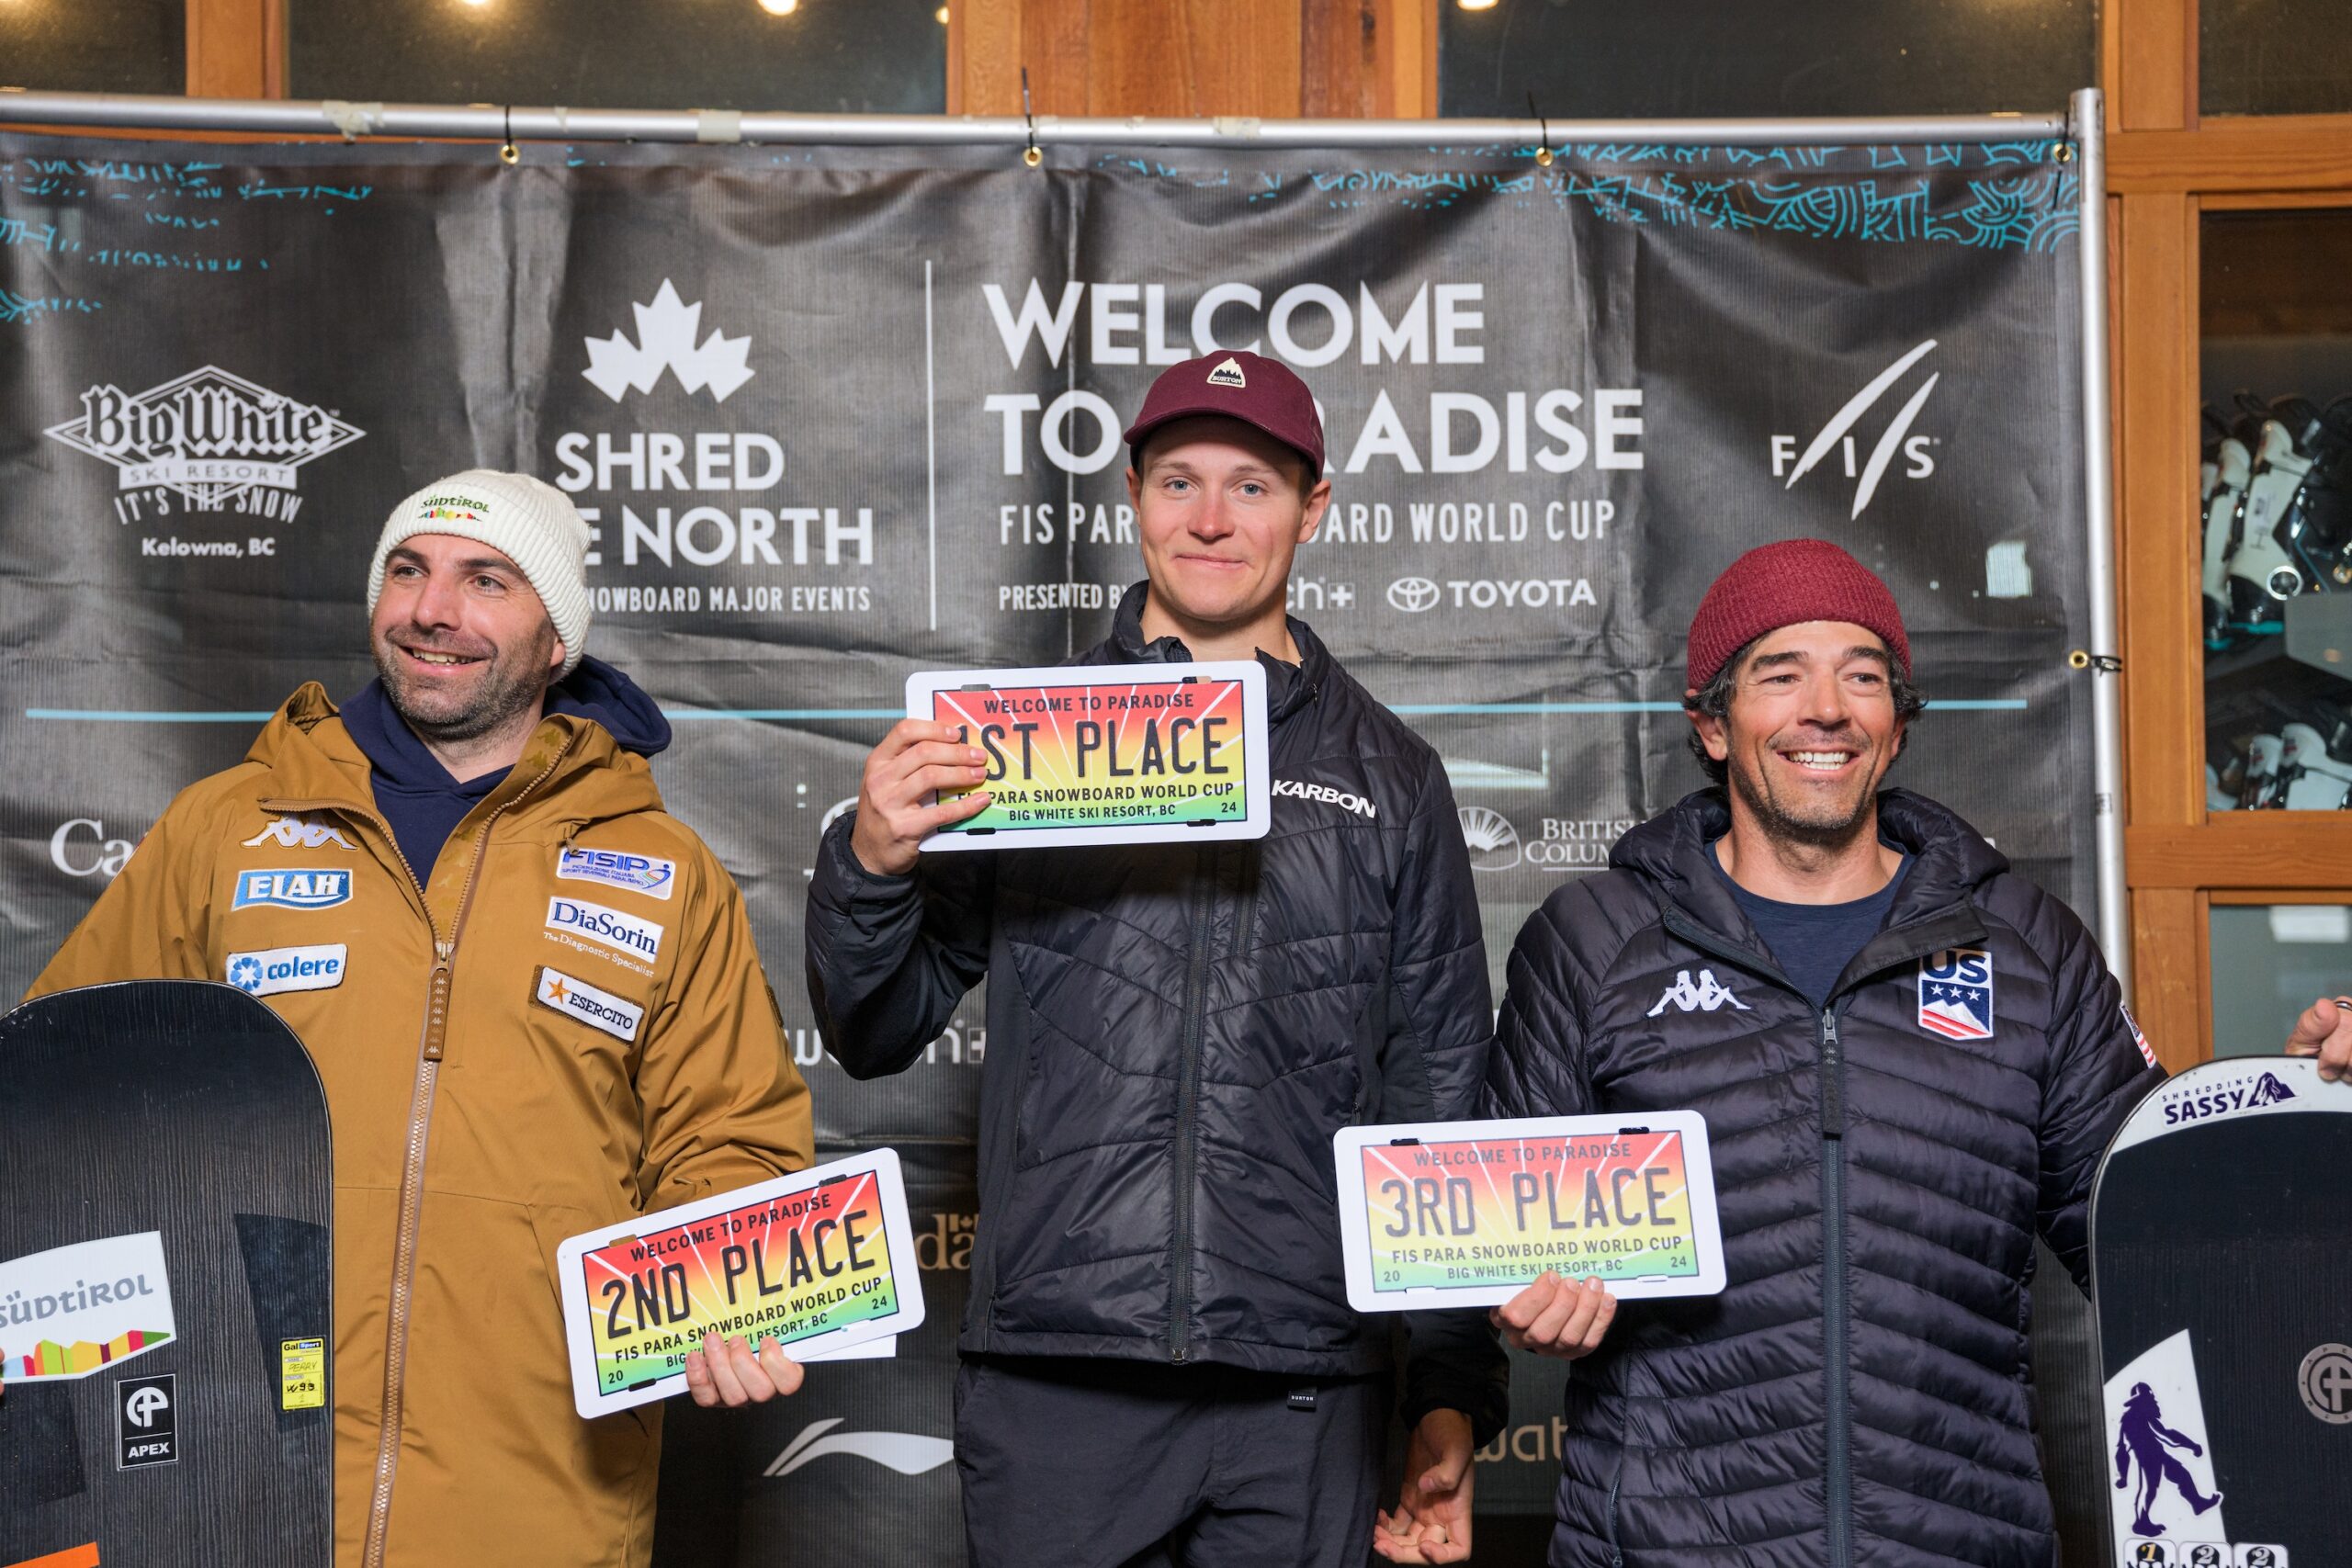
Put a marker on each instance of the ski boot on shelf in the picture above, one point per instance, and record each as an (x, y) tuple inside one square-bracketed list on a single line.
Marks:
[(2259, 792), (2321, 539), (2309, 778), (2260, 576), (2233, 466), (2216, 797)]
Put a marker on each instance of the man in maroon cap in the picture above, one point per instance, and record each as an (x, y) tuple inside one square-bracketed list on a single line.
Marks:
[(1160, 1359), (1909, 1059)]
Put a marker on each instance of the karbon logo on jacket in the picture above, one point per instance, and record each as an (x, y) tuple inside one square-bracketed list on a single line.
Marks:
[(1705, 997)]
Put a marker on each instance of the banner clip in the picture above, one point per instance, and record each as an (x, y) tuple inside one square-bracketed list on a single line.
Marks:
[(508, 153), (2103, 663), (1543, 139), (354, 120), (1029, 154)]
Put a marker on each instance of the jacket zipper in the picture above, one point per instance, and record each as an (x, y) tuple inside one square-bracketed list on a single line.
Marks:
[(432, 1044), (1834, 1372), (1188, 1097)]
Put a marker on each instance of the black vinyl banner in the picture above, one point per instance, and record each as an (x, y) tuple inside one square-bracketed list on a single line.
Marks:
[(837, 415)]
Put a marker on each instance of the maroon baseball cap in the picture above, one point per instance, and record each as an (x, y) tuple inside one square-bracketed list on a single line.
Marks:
[(1235, 384)]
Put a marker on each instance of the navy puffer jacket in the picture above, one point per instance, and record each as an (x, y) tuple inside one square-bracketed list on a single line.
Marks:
[(1176, 1031), (1860, 1393)]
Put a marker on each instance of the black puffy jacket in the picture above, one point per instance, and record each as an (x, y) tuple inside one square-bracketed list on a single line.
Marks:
[(1175, 1032), (1860, 1393)]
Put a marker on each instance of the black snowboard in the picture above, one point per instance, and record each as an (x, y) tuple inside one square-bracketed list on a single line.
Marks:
[(2221, 1264), (205, 1435)]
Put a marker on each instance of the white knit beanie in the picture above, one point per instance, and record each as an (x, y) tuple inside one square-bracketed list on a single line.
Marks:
[(529, 521)]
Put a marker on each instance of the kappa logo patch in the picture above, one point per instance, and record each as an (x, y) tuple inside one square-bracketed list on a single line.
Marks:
[(648, 874), (304, 889), (275, 969), (1956, 993), (298, 833), (616, 1016), (1229, 374), (1705, 997)]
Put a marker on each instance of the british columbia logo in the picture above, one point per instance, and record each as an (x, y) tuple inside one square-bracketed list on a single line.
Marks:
[(217, 441)]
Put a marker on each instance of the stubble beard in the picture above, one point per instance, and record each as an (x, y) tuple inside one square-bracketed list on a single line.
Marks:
[(1821, 832), (512, 682)]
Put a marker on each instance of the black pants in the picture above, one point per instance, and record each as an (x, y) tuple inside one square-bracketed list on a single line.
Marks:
[(1118, 1464)]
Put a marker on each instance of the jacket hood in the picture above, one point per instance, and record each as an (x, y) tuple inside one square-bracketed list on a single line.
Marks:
[(597, 691), (1288, 686), (1674, 852)]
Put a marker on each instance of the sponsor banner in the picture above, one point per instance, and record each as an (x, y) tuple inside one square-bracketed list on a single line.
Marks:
[(1557, 401), (1466, 1214), (824, 1258), (1107, 754), (71, 1311)]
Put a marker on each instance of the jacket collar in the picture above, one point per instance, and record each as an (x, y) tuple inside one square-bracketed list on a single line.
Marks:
[(1934, 909), (1289, 687), (572, 768)]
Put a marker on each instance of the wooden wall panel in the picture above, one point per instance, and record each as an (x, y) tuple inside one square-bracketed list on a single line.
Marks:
[(2151, 51), (2172, 975), (237, 49)]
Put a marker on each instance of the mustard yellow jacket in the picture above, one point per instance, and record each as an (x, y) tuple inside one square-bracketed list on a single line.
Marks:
[(501, 1073)]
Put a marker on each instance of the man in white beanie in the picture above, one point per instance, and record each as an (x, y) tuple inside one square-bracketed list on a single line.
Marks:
[(534, 1001)]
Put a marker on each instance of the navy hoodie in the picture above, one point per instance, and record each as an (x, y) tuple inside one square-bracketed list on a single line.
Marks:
[(424, 804)]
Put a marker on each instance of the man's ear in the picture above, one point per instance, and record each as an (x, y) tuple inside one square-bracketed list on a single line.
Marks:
[(555, 658), (1319, 501), (1134, 488), (1710, 729)]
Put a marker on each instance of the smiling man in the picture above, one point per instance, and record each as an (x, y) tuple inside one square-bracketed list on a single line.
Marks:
[(532, 997), (1909, 1059), (1160, 1359)]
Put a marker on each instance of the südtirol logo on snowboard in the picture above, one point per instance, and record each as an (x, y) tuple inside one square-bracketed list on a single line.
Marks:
[(70, 1311), (206, 445)]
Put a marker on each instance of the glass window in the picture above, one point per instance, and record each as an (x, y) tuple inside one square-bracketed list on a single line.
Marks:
[(94, 46), (2273, 57), (1607, 59), (2270, 962), (815, 56), (2275, 526)]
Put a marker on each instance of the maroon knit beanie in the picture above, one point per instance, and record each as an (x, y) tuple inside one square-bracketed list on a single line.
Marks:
[(1783, 585)]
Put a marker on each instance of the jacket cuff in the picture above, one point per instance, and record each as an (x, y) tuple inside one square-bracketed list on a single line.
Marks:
[(1456, 1365), (843, 883)]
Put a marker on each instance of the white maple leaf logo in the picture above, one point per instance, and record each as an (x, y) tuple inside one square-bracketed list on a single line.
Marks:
[(665, 340)]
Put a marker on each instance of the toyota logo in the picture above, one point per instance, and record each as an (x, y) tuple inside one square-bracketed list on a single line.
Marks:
[(1412, 595)]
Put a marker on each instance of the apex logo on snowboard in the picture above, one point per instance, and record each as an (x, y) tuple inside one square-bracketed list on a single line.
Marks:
[(2203, 1100), (146, 1420), (297, 889), (1956, 993), (1705, 997)]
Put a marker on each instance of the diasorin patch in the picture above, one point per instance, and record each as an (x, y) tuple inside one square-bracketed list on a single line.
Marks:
[(292, 889), (1956, 993), (275, 969), (614, 928), (616, 1016), (648, 874)]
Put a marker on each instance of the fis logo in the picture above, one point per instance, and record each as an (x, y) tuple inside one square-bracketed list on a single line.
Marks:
[(292, 889), (665, 340), (1705, 997), (616, 1016), (275, 969), (640, 874), (1918, 462), (2202, 1100), (614, 928), (1956, 993), (298, 833)]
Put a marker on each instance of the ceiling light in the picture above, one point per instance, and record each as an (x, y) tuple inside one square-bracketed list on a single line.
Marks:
[(779, 7), (1476, 5), (941, 15)]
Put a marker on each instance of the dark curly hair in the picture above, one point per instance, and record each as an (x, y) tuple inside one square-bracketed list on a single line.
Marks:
[(1714, 700)]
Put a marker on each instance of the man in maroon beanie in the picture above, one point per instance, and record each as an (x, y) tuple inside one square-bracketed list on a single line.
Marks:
[(1909, 1059), (1159, 1361)]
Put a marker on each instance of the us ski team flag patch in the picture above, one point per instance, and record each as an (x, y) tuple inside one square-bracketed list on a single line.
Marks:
[(1956, 993)]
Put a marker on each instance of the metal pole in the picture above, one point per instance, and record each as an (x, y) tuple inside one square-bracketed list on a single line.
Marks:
[(2089, 130), (492, 122)]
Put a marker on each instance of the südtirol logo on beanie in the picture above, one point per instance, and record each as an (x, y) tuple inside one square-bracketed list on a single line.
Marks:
[(1784, 585), (529, 521)]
